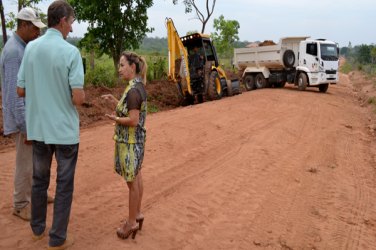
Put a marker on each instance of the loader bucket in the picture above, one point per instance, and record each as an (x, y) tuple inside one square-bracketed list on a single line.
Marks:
[(235, 86)]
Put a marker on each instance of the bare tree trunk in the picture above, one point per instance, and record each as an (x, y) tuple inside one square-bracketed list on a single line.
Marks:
[(4, 29), (116, 59), (200, 15)]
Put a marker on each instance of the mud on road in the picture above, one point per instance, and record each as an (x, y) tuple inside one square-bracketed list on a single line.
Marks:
[(267, 169)]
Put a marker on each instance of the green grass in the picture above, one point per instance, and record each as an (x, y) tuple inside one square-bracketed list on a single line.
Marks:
[(372, 100), (346, 68), (152, 108)]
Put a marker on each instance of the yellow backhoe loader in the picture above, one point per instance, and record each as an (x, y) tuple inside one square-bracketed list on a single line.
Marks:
[(194, 67)]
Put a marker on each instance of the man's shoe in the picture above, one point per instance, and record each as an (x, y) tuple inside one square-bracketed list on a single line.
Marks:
[(50, 199), (38, 237), (67, 243), (24, 213)]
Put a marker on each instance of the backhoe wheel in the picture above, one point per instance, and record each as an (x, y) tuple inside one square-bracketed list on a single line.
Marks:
[(200, 98), (229, 88), (323, 87), (302, 81), (215, 88), (249, 82), (260, 81)]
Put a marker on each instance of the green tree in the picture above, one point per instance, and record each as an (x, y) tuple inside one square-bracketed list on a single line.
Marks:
[(344, 51), (364, 54), (191, 4), (114, 25), (225, 35), (373, 54)]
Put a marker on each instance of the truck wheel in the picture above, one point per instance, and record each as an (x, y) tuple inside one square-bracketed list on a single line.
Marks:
[(229, 88), (249, 82), (260, 81), (279, 84), (323, 87), (215, 87), (289, 58), (302, 81)]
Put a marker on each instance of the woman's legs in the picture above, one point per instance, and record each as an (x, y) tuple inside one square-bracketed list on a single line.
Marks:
[(140, 193), (134, 195), (130, 226)]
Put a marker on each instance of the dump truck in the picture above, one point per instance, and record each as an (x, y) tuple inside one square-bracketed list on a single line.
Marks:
[(301, 61), (194, 68)]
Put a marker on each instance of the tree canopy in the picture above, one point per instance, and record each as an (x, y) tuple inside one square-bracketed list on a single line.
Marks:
[(114, 25), (225, 35)]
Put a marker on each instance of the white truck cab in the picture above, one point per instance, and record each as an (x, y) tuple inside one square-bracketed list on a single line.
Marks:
[(319, 60)]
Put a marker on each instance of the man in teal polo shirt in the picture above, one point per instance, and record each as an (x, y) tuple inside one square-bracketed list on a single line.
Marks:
[(51, 78)]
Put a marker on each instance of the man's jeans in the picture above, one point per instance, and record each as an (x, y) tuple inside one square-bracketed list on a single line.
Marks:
[(66, 158), (23, 172)]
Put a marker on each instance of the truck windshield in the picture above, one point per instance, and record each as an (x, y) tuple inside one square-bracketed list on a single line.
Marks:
[(329, 52)]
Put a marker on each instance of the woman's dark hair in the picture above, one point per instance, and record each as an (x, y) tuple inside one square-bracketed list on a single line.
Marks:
[(138, 61), (57, 10)]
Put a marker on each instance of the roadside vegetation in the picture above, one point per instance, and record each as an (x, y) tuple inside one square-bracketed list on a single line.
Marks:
[(360, 57)]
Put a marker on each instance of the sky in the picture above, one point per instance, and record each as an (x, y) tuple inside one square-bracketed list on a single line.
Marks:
[(342, 21)]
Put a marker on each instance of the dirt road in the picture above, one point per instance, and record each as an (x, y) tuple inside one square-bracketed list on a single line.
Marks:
[(267, 169)]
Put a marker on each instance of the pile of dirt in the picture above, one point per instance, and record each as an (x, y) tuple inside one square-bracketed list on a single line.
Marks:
[(162, 95), (267, 43)]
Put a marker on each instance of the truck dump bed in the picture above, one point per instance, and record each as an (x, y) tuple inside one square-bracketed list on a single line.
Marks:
[(271, 56)]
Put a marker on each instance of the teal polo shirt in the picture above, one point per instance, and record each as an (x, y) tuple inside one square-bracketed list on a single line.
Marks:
[(50, 69)]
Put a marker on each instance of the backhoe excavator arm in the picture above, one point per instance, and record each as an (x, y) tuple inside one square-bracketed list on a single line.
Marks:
[(177, 58)]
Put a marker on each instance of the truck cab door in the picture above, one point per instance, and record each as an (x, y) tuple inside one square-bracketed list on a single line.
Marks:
[(309, 57)]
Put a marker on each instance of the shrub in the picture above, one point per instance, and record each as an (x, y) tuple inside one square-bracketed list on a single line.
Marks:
[(157, 67), (152, 108), (372, 100), (370, 69), (346, 68), (101, 76)]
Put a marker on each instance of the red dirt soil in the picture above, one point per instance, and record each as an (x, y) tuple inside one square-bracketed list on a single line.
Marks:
[(267, 169), (161, 94)]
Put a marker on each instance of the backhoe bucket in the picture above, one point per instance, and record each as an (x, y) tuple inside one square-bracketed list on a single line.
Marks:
[(234, 84)]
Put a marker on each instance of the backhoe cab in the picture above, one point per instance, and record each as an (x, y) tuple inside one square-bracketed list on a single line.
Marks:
[(194, 67)]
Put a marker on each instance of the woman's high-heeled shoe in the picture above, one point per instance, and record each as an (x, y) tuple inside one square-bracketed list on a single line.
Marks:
[(124, 235), (140, 221)]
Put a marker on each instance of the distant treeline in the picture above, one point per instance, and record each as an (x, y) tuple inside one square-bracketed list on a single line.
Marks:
[(150, 45), (360, 57), (156, 45), (361, 53)]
